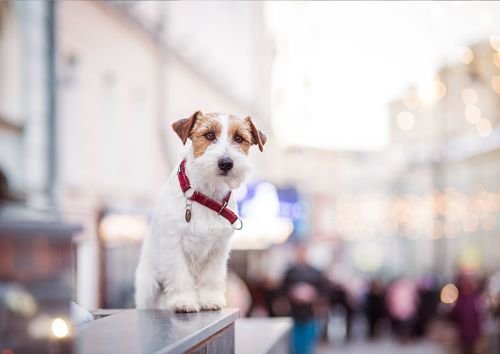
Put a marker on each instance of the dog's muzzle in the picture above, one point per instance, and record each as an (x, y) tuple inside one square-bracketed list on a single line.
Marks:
[(225, 164)]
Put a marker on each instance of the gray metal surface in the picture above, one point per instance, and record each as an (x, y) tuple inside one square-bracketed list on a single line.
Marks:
[(151, 331), (263, 335)]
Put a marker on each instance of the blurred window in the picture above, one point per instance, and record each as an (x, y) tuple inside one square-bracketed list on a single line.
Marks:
[(10, 66), (72, 129), (10, 93), (111, 123)]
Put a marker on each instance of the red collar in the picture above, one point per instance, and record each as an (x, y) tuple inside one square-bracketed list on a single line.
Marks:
[(218, 207)]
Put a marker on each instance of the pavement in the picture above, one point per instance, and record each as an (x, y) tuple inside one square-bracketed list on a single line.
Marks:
[(382, 346)]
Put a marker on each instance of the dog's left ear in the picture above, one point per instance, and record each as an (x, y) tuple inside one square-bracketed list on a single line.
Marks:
[(258, 137), (183, 126)]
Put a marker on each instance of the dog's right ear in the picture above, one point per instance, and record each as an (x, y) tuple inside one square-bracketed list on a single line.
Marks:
[(183, 126)]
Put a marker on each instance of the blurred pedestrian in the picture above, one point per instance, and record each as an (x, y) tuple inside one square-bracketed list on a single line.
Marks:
[(304, 286), (374, 307), (428, 292), (402, 301), (493, 295), (339, 298), (466, 312), (6, 194)]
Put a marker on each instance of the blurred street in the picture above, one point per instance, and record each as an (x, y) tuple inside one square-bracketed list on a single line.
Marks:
[(384, 346), (371, 214)]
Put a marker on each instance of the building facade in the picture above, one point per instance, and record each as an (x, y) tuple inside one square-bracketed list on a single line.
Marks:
[(88, 93), (451, 149)]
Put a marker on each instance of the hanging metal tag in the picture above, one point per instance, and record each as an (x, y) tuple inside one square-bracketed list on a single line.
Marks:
[(188, 210)]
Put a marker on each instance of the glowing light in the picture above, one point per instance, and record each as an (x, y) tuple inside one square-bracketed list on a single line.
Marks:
[(465, 55), (431, 91), (117, 228), (405, 120), (484, 127), (59, 328), (495, 83), (261, 235), (496, 59), (20, 301), (449, 294), (470, 257), (469, 96), (495, 42), (368, 257), (263, 226), (472, 114)]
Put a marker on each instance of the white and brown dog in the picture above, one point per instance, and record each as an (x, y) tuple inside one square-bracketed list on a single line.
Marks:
[(184, 256)]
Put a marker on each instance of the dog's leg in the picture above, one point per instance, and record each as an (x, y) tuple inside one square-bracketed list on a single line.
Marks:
[(179, 290), (146, 288), (212, 281)]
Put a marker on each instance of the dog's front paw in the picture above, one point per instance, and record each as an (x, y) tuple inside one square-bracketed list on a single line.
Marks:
[(183, 303), (184, 306), (212, 301), (211, 307)]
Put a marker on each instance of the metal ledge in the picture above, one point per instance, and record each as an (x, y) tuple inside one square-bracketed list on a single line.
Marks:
[(263, 335), (152, 331)]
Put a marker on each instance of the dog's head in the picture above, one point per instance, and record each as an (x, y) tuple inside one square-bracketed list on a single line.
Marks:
[(220, 146)]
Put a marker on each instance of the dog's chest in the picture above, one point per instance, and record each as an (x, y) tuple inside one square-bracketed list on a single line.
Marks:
[(206, 232), (206, 224), (205, 229)]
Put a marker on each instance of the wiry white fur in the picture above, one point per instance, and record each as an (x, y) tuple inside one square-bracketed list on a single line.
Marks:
[(183, 265)]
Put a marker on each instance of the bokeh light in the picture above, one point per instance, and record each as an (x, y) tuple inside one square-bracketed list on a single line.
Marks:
[(472, 114), (495, 84), (406, 120), (59, 328), (430, 91), (449, 294), (495, 42), (484, 127), (368, 257), (119, 228), (496, 59), (465, 55)]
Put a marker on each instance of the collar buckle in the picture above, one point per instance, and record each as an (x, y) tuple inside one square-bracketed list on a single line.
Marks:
[(188, 193), (223, 207)]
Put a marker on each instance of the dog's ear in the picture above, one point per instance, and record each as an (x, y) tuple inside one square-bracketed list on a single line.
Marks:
[(183, 126), (258, 137)]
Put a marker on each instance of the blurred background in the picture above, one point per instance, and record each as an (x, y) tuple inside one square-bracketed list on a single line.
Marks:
[(371, 217)]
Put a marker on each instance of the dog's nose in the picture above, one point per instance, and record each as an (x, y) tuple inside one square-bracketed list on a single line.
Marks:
[(225, 164)]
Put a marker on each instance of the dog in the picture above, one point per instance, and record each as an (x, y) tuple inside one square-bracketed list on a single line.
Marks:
[(184, 256)]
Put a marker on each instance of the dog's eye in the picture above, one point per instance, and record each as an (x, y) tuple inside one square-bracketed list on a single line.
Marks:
[(210, 136), (238, 139)]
